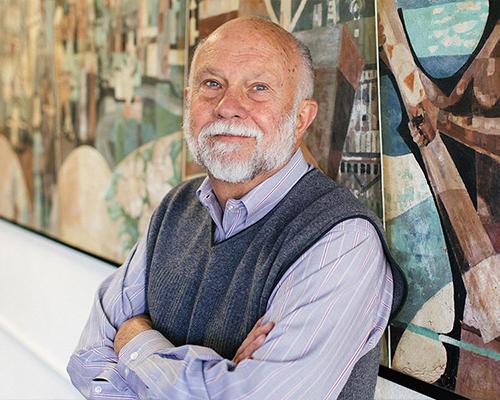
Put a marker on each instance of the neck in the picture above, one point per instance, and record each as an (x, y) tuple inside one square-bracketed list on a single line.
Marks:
[(225, 190)]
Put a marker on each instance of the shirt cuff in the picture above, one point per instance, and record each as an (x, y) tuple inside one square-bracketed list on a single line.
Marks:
[(110, 384), (142, 346)]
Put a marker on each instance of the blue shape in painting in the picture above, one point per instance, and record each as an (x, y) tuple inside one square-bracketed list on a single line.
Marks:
[(392, 143), (443, 67), (418, 245), (445, 30)]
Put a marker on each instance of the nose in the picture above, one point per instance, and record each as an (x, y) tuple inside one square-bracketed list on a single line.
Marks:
[(231, 105)]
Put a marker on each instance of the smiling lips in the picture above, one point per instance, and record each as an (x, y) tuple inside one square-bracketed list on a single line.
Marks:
[(231, 137)]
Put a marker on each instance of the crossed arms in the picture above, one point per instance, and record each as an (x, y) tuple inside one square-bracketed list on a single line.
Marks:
[(329, 309)]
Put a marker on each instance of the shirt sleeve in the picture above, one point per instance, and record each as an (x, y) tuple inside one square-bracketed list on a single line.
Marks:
[(93, 366), (329, 309)]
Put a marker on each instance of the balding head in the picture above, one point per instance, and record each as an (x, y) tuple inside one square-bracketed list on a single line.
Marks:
[(294, 53)]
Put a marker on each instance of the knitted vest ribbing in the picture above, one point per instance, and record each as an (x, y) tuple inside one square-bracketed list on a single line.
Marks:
[(211, 294)]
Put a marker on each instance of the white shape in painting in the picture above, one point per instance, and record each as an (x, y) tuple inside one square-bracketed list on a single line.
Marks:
[(438, 312), (82, 218), (469, 6), (452, 41), (420, 357), (14, 195), (442, 21), (429, 362), (433, 49), (439, 33), (464, 26), (470, 43), (140, 179)]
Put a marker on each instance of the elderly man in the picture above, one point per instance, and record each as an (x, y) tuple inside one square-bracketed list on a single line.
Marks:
[(263, 281)]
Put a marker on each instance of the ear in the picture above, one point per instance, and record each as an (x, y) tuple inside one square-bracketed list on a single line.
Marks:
[(308, 109), (186, 93)]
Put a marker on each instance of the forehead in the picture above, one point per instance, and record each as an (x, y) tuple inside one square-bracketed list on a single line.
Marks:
[(247, 50)]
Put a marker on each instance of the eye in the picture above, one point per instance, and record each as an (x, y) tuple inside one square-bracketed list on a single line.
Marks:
[(259, 87), (212, 84)]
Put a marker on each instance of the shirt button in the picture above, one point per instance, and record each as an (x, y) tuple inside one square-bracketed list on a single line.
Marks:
[(98, 389), (134, 355)]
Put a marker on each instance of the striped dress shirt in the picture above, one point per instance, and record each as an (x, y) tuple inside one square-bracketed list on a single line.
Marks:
[(329, 309)]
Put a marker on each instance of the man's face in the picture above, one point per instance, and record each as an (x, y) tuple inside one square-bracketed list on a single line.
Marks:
[(241, 114)]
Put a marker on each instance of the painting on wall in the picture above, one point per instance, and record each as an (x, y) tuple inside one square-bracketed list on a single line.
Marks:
[(440, 91), (91, 97), (344, 139), (90, 116)]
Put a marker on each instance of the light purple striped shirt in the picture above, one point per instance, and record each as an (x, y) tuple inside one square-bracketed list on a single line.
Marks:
[(329, 309)]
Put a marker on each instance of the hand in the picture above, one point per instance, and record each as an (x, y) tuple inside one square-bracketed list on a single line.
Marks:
[(130, 329), (253, 340)]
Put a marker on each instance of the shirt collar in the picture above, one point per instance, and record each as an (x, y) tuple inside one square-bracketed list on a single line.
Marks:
[(262, 198)]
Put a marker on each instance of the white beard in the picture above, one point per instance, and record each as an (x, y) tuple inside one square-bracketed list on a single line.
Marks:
[(220, 159)]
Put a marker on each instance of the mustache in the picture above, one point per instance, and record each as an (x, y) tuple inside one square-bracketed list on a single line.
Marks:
[(230, 129)]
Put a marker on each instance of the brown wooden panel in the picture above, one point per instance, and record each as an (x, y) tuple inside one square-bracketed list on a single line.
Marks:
[(351, 62), (208, 25), (470, 233), (478, 376)]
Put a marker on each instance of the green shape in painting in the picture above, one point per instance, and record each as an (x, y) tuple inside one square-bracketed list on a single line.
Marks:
[(168, 109), (417, 244)]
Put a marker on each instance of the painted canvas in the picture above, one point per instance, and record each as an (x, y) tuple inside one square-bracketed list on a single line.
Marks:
[(440, 90), (344, 139), (91, 107), (90, 116)]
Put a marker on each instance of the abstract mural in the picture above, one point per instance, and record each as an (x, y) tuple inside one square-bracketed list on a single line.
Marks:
[(440, 90), (91, 97), (90, 116)]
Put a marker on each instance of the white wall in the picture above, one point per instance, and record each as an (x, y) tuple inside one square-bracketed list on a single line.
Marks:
[(46, 291)]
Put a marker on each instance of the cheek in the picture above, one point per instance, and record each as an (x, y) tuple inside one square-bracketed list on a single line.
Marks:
[(199, 116), (267, 121)]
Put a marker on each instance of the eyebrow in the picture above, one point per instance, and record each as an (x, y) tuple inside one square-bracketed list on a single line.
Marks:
[(209, 71), (262, 74), (265, 75)]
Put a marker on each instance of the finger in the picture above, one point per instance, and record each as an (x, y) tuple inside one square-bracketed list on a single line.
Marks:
[(252, 347), (264, 329), (267, 327), (257, 324), (257, 330), (254, 334), (249, 339)]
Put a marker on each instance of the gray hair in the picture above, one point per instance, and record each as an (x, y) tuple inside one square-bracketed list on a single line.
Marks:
[(305, 86)]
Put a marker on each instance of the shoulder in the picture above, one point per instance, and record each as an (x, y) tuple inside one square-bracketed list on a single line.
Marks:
[(346, 236), (356, 226)]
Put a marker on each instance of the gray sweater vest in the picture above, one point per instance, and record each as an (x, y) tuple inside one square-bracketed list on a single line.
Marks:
[(211, 294)]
